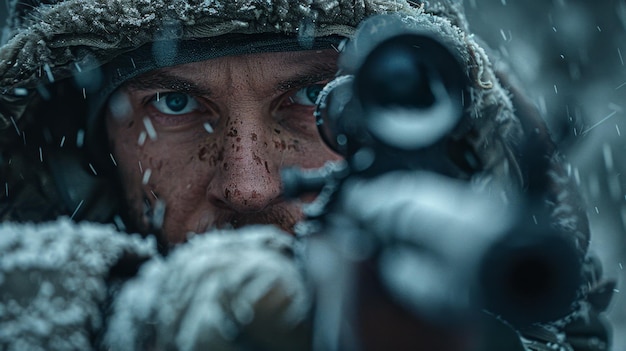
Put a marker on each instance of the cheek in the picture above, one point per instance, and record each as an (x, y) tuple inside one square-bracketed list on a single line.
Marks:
[(168, 168), (321, 156), (178, 167), (123, 145), (308, 152)]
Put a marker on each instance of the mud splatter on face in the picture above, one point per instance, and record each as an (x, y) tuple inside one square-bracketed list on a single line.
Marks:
[(228, 178), (294, 145), (276, 215), (257, 159), (280, 144), (202, 154)]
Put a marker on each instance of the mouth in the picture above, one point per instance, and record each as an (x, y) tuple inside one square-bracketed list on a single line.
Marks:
[(278, 216)]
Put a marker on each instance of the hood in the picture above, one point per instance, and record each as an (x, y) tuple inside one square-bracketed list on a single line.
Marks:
[(48, 43), (49, 40)]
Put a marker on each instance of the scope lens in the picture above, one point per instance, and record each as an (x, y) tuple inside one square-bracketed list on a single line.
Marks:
[(411, 90), (394, 75)]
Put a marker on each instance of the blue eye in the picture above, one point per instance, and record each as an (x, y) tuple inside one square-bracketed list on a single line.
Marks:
[(175, 103), (308, 95)]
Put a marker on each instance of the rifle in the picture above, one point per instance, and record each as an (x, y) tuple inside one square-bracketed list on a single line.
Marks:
[(398, 226)]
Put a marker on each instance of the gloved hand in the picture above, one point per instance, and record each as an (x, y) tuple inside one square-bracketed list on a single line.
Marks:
[(53, 282), (227, 290)]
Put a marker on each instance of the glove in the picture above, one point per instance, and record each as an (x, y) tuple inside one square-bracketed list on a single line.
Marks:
[(53, 282), (227, 290)]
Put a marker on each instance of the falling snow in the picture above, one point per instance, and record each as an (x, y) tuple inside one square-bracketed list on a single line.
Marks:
[(142, 138), (566, 51), (149, 129), (80, 138), (146, 176), (588, 38)]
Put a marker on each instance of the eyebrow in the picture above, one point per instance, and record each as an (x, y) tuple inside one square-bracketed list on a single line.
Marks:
[(160, 80), (315, 73), (164, 81)]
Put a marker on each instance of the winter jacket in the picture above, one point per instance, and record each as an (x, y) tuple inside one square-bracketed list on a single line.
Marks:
[(59, 59)]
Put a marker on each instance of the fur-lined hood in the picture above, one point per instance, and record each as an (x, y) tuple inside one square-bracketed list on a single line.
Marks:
[(58, 38), (48, 41)]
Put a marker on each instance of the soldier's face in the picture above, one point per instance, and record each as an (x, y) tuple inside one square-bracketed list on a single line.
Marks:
[(205, 141)]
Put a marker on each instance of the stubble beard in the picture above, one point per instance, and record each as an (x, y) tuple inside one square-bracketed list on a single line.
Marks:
[(145, 214), (283, 217)]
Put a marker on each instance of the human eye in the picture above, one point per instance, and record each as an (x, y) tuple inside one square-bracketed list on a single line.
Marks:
[(175, 103), (307, 96)]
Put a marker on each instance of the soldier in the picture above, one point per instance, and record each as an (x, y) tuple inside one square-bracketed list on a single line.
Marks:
[(171, 119)]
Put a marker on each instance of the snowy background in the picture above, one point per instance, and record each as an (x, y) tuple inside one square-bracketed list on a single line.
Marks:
[(571, 55)]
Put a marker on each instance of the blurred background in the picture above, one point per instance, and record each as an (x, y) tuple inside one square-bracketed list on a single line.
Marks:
[(571, 56)]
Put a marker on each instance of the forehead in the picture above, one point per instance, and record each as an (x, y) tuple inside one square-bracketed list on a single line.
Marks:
[(261, 68)]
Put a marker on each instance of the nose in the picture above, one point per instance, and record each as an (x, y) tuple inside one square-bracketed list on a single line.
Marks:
[(247, 179)]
